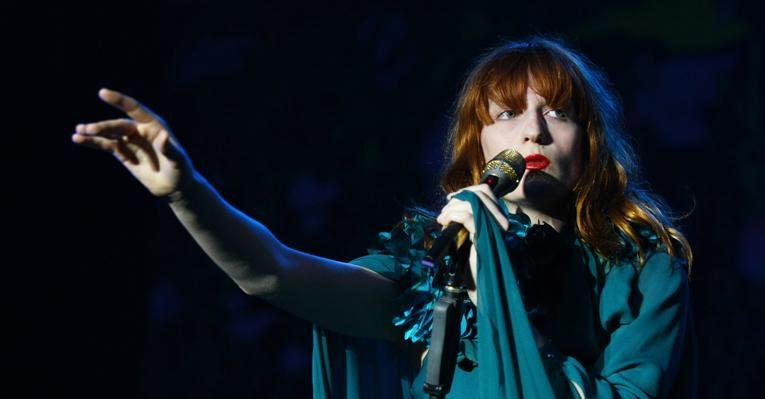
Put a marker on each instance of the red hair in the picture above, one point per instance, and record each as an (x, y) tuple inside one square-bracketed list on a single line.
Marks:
[(609, 201)]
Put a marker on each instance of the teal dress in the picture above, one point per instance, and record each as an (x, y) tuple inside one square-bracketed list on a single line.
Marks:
[(615, 330)]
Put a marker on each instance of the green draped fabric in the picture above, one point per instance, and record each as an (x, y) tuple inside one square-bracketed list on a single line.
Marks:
[(615, 331)]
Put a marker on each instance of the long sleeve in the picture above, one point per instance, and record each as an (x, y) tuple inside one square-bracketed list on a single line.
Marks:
[(647, 315), (651, 351)]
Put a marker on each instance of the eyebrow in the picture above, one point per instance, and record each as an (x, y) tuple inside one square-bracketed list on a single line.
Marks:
[(543, 103)]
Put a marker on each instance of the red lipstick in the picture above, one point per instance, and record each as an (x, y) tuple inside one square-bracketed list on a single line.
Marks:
[(536, 161)]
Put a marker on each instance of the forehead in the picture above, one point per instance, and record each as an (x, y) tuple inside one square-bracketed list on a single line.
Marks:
[(506, 80), (531, 95), (514, 87)]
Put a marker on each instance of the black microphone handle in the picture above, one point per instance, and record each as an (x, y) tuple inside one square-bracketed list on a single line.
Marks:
[(437, 251)]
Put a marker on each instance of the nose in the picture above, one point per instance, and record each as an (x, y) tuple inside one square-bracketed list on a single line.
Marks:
[(535, 129)]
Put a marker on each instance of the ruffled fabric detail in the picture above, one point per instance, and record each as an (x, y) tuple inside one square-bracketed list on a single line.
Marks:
[(406, 243), (517, 231)]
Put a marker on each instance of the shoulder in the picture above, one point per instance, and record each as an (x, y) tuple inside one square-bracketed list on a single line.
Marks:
[(656, 268), (662, 275), (660, 278), (631, 288), (646, 248)]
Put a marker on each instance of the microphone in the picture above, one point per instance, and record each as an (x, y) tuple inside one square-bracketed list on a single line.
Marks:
[(502, 174)]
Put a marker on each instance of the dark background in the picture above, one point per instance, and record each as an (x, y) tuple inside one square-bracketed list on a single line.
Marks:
[(323, 122)]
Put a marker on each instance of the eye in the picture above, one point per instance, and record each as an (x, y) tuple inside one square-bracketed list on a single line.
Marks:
[(505, 115), (557, 113)]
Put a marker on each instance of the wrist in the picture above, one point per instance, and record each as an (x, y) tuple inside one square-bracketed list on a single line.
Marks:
[(186, 186)]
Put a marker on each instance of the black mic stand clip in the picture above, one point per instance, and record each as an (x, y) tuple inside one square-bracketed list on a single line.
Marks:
[(447, 318)]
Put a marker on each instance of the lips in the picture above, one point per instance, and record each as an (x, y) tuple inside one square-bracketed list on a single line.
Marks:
[(536, 162)]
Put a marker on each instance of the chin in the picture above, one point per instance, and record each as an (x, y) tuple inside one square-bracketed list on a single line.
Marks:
[(541, 191)]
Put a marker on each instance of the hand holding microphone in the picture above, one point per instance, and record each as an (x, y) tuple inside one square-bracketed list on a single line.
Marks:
[(501, 175)]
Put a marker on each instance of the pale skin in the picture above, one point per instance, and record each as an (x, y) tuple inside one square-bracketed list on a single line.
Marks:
[(336, 295)]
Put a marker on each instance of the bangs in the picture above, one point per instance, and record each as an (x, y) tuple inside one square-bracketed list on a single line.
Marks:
[(505, 79)]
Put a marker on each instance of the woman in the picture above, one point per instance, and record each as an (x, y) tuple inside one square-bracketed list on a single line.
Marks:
[(577, 285)]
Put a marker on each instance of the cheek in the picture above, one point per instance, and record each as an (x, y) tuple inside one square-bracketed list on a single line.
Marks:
[(491, 144), (485, 144)]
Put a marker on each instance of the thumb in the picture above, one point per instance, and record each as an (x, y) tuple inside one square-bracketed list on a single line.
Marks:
[(160, 142), (162, 145)]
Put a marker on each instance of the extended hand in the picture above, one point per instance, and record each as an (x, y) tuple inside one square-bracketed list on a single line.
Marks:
[(143, 143)]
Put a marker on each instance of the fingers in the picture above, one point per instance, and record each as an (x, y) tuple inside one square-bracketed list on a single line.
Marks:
[(484, 193), (128, 105), (484, 188), (113, 129), (120, 149), (94, 141), (112, 135), (460, 212)]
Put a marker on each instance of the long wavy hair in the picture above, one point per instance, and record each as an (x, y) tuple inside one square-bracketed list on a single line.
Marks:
[(610, 199)]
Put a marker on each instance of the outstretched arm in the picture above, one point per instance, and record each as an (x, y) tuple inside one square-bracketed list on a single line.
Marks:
[(338, 296)]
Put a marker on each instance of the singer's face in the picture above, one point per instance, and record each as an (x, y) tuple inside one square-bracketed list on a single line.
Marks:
[(540, 134)]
